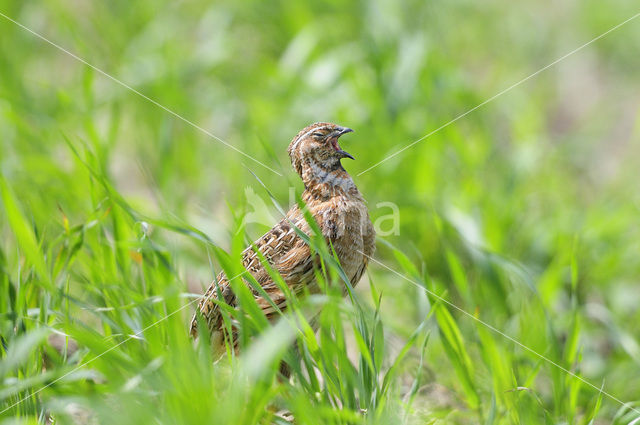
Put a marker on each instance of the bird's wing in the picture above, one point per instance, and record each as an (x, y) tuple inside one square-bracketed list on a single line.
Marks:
[(219, 289), (285, 251)]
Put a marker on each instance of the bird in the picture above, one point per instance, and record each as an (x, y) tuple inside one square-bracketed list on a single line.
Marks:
[(338, 208)]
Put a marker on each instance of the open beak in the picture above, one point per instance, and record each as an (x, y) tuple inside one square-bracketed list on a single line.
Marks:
[(334, 141)]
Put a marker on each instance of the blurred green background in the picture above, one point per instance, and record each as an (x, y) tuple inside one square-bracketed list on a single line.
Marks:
[(524, 212)]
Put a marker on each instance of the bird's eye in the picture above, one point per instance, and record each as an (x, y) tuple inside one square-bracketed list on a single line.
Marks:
[(318, 135)]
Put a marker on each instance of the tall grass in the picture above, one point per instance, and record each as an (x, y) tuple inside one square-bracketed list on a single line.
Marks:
[(115, 215), (139, 353)]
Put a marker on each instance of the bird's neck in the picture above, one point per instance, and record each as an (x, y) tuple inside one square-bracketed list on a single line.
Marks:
[(323, 180)]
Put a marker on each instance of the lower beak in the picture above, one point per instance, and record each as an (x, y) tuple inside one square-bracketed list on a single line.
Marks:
[(345, 154)]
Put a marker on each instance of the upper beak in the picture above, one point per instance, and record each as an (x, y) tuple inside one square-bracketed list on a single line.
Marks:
[(339, 132), (343, 130)]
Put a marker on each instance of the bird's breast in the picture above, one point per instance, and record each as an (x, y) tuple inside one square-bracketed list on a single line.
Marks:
[(345, 222)]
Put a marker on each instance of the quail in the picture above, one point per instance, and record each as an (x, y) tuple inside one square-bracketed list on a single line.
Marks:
[(339, 209)]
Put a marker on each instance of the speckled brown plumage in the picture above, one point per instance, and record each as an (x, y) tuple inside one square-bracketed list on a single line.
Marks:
[(337, 206)]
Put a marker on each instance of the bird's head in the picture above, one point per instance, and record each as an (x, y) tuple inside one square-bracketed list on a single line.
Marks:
[(318, 144)]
